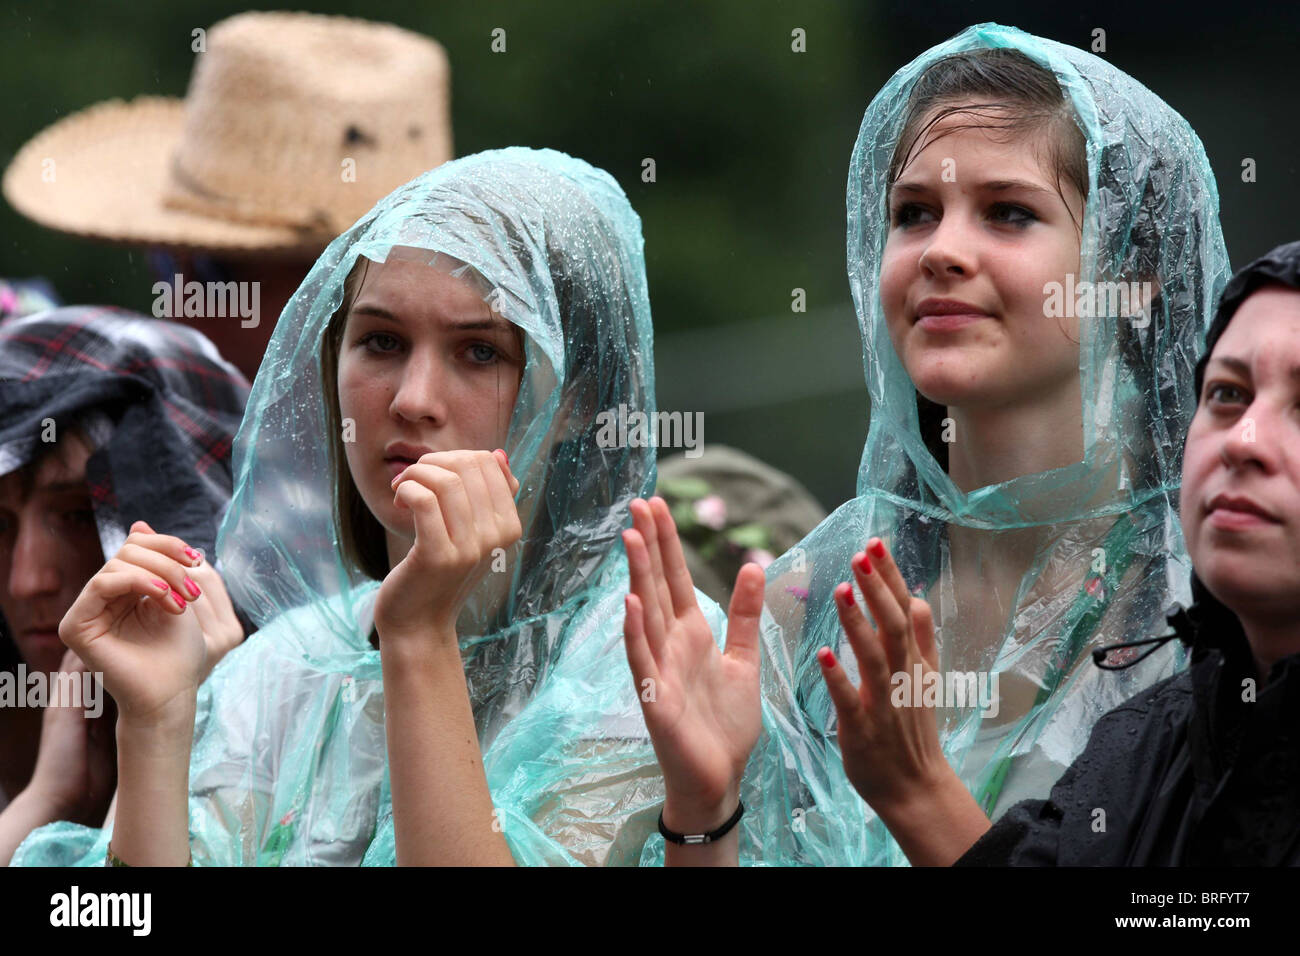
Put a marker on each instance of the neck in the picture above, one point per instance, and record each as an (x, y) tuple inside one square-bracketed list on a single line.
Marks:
[(1271, 639), (993, 444)]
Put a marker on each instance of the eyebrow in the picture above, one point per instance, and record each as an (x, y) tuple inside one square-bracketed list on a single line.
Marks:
[(991, 185), (62, 487), (455, 324), (1242, 368)]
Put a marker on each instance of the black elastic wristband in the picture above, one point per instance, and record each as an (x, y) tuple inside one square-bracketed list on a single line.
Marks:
[(691, 839)]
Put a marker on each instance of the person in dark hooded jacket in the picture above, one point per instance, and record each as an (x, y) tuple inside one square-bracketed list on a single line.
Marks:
[(1202, 769)]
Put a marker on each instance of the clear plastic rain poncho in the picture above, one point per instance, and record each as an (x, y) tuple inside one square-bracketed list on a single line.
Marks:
[(1107, 557), (289, 763)]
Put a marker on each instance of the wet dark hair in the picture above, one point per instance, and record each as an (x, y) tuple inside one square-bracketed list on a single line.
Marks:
[(361, 536), (1016, 97), (10, 656)]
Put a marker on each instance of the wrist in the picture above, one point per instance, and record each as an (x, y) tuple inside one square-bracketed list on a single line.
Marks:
[(161, 732), (39, 805), (696, 815), (431, 641)]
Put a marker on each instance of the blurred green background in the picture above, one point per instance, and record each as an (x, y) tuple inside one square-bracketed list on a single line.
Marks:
[(751, 143)]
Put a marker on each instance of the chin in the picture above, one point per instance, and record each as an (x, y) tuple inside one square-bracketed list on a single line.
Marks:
[(1245, 579)]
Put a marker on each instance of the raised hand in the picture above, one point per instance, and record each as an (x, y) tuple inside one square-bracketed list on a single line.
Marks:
[(76, 769), (133, 623), (892, 754), (222, 632), (463, 507), (701, 706)]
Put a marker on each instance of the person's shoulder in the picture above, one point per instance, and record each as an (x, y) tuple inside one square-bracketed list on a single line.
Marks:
[(1172, 693)]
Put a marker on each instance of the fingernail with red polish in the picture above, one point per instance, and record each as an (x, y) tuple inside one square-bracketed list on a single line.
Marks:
[(827, 657), (878, 548), (192, 588), (180, 601), (845, 593), (193, 555), (861, 562), (161, 584)]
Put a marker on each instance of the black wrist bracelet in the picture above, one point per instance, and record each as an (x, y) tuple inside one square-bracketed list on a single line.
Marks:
[(690, 839)]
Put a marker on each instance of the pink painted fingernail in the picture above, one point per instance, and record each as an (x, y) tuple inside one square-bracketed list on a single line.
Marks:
[(160, 584), (180, 601), (845, 593), (862, 563), (878, 548), (192, 588), (827, 657), (193, 555)]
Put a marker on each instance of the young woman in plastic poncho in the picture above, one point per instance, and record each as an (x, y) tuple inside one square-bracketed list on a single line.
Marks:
[(496, 302), (1023, 456)]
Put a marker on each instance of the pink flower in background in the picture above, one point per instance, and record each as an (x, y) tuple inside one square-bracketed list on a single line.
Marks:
[(760, 557), (711, 511)]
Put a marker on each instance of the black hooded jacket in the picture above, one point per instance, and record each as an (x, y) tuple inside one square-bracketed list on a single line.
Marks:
[(1202, 769), (1191, 772)]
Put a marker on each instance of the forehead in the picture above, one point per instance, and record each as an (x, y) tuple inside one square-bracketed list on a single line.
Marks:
[(1266, 325), (977, 134), (61, 468), (410, 284)]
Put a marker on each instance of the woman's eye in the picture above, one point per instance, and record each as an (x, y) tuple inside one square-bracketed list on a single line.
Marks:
[(1220, 393), (908, 214), (482, 353), (381, 342), (1011, 214)]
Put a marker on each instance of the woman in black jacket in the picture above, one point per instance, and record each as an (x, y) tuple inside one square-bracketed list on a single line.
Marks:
[(1201, 769)]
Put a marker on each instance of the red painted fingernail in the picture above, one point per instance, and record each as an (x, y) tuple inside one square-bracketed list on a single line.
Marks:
[(878, 548), (192, 588), (161, 584), (193, 555), (845, 593), (180, 601), (505, 456), (827, 657), (862, 563)]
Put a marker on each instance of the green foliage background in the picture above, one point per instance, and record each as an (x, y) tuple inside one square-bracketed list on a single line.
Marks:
[(750, 140)]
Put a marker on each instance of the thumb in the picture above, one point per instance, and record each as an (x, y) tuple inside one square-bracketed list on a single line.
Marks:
[(923, 628), (504, 461), (744, 613)]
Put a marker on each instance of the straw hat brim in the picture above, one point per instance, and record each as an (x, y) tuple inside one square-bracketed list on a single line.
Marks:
[(101, 173)]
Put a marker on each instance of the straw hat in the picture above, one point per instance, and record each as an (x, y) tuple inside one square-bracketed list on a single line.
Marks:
[(293, 127)]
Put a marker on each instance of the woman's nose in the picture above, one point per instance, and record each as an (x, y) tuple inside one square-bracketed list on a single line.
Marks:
[(34, 564), (418, 394), (1252, 439), (950, 251)]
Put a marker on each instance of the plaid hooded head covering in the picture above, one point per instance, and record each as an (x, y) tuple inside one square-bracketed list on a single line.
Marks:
[(157, 404), (1105, 553), (290, 756)]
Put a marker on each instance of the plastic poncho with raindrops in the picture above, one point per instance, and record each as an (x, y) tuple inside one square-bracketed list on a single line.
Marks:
[(1106, 557), (289, 762)]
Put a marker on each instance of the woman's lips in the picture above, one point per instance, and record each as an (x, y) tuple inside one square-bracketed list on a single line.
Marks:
[(949, 323), (42, 635), (1229, 519), (397, 465)]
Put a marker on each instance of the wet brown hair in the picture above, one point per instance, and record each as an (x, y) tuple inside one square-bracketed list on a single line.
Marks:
[(1001, 90), (1015, 96), (361, 536)]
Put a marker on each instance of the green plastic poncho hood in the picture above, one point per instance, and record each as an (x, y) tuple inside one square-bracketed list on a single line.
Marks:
[(1106, 554), (289, 762)]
